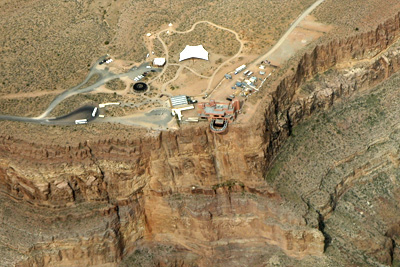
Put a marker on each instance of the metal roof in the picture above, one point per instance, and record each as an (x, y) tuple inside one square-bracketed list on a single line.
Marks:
[(178, 100)]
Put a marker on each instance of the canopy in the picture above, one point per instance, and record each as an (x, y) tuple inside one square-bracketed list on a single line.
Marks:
[(197, 51)]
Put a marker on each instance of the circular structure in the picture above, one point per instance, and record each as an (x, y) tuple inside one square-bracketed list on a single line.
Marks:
[(140, 87), (218, 125)]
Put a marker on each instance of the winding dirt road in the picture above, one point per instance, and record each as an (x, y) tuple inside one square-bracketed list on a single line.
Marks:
[(261, 58), (291, 28), (104, 76), (184, 32)]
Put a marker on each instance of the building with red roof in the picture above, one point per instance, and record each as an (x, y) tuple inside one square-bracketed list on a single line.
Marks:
[(218, 114)]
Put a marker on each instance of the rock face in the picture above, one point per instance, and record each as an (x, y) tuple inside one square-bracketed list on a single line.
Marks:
[(190, 188), (202, 197)]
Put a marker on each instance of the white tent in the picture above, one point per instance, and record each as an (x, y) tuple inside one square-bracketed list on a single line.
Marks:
[(197, 51)]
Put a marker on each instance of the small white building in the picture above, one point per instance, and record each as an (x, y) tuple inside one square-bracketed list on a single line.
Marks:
[(159, 61)]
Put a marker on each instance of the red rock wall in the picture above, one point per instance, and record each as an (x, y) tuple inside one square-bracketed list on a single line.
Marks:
[(189, 188)]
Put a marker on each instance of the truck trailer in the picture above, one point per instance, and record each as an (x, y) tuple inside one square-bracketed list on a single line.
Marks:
[(239, 69), (83, 121), (94, 112)]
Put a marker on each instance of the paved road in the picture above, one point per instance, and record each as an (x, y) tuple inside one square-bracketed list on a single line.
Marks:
[(105, 76), (86, 111), (278, 44), (81, 113), (156, 119), (261, 58)]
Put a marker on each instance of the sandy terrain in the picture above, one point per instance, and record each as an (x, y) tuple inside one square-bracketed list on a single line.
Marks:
[(188, 83), (308, 31)]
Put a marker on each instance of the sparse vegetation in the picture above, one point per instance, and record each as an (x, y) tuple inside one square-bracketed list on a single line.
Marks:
[(214, 40), (93, 79), (76, 101), (349, 18), (169, 73), (48, 46), (116, 84), (28, 106), (341, 154)]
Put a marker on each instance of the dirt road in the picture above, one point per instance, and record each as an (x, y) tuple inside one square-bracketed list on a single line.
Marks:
[(289, 31), (191, 29)]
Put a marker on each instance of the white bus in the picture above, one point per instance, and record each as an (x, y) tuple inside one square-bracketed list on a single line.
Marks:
[(84, 121), (239, 69), (245, 73), (94, 112)]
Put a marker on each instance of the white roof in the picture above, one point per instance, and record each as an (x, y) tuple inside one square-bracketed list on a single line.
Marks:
[(159, 61), (197, 51), (178, 100)]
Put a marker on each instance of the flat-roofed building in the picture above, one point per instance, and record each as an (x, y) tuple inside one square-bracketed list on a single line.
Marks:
[(178, 110), (178, 100), (159, 61), (178, 104), (218, 113)]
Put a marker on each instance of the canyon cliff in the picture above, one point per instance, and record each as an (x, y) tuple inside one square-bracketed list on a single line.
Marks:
[(187, 197)]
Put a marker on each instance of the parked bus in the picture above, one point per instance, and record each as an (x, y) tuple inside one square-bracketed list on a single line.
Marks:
[(239, 69), (84, 121), (94, 112)]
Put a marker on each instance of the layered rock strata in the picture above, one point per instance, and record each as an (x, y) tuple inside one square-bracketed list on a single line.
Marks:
[(199, 193)]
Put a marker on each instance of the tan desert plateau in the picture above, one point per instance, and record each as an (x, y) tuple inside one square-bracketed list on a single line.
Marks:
[(199, 133)]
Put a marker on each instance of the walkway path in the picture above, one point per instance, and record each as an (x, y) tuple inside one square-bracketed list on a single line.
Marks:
[(106, 76), (261, 58), (175, 64), (250, 114)]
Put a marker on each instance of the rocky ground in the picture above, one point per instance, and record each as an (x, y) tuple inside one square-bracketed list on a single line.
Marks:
[(312, 181), (342, 164)]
